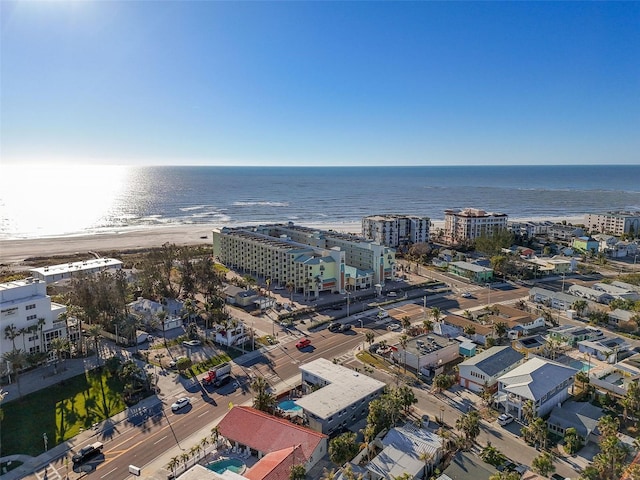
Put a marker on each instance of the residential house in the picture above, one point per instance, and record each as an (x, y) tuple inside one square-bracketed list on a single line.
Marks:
[(527, 346), (241, 297), (546, 383), (467, 466), (556, 300), (247, 428), (583, 416), (149, 312), (336, 396), (426, 353), (453, 326), (571, 334), (515, 319), (615, 379), (558, 265), (471, 271), (616, 291), (605, 350), (403, 451), (592, 294), (623, 319), (585, 245), (486, 367), (557, 231)]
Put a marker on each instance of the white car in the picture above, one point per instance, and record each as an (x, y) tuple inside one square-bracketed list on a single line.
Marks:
[(505, 419), (180, 403), (466, 295), (174, 363), (191, 343), (394, 327)]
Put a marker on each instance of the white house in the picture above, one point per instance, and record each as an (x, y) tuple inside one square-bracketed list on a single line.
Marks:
[(27, 310), (542, 381), (54, 273), (487, 367)]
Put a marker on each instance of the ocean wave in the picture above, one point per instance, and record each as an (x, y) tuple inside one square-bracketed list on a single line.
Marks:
[(195, 207), (261, 204)]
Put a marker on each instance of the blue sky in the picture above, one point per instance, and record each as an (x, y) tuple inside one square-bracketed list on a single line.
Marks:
[(320, 83)]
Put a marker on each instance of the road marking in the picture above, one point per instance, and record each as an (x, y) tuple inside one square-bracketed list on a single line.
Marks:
[(155, 443), (203, 414), (109, 472)]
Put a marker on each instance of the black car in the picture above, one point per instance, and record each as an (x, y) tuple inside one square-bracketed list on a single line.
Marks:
[(345, 328), (334, 327), (85, 453)]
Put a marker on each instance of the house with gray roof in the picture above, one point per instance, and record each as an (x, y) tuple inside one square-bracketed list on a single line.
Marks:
[(402, 451), (605, 350), (466, 466), (487, 367), (579, 415), (571, 334), (557, 300), (544, 382)]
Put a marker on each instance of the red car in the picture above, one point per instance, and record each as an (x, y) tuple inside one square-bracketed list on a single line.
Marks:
[(305, 342)]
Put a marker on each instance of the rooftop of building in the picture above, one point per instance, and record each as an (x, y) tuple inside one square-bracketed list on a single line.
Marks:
[(344, 387), (472, 267), (78, 266), (427, 344), (536, 378), (494, 360)]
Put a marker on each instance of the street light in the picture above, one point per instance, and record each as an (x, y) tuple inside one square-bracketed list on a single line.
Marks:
[(44, 437), (441, 415), (348, 302)]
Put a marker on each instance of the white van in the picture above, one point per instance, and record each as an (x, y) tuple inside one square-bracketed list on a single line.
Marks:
[(382, 314)]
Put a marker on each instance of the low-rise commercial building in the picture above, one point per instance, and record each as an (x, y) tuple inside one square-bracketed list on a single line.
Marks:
[(471, 271), (337, 396), (54, 273)]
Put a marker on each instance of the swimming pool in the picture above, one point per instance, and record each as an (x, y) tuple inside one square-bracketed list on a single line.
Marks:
[(577, 364), (233, 464), (289, 406)]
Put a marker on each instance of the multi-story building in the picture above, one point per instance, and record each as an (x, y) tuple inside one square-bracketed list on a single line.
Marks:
[(396, 231), (28, 317), (470, 223), (486, 367), (311, 260), (338, 396), (558, 231), (613, 223)]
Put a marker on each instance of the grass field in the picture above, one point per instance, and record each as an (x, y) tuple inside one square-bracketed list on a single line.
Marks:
[(60, 411)]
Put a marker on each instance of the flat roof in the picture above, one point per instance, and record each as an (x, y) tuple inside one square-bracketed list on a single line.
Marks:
[(77, 266), (345, 387)]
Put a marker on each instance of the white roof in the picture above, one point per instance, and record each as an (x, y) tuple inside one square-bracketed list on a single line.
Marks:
[(345, 387), (535, 378)]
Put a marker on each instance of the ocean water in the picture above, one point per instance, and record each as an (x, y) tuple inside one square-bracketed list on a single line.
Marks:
[(69, 200)]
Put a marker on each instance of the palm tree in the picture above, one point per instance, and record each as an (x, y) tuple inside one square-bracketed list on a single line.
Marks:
[(41, 324), (173, 463), (500, 328), (329, 474), (203, 444), (297, 472), (405, 321), (263, 399), (493, 456), (543, 464), (572, 440), (60, 345), (17, 360), (370, 337), (436, 313), (583, 378), (469, 424), (427, 458), (95, 333), (11, 333), (580, 306), (290, 286), (162, 316), (528, 411), (427, 325)]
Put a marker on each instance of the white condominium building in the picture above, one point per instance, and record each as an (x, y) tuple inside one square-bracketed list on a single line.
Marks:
[(613, 223), (471, 223), (311, 260), (396, 230), (28, 318)]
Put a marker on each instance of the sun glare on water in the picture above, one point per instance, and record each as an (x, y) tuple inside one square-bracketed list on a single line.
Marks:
[(37, 201)]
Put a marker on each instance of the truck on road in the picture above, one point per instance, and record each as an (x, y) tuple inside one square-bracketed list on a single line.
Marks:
[(217, 376)]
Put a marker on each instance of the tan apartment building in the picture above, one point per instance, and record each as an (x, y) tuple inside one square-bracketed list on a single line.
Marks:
[(470, 223), (613, 223)]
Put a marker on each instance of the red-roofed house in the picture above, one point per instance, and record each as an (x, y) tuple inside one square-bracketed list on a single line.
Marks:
[(265, 434), (276, 465)]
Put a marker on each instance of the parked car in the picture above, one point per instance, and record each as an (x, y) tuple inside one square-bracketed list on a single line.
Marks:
[(333, 327), (85, 453), (173, 363), (345, 328), (180, 403), (467, 295), (392, 294), (394, 327), (192, 343), (505, 419), (305, 342)]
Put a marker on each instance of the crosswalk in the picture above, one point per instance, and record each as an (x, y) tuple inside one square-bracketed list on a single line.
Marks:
[(49, 473)]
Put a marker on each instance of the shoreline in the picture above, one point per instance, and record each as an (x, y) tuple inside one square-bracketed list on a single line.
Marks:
[(15, 251)]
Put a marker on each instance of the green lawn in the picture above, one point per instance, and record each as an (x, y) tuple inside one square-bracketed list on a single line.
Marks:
[(60, 411)]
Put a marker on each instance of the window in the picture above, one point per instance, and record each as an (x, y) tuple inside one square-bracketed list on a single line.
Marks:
[(31, 307), (32, 317)]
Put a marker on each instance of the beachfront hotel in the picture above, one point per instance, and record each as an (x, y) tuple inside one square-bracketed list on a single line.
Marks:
[(311, 260), (470, 223), (396, 231), (28, 317), (613, 223)]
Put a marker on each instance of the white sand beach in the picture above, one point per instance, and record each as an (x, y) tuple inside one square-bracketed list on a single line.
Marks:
[(13, 252)]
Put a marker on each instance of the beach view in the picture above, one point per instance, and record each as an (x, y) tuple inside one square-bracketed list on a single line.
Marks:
[(319, 240)]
